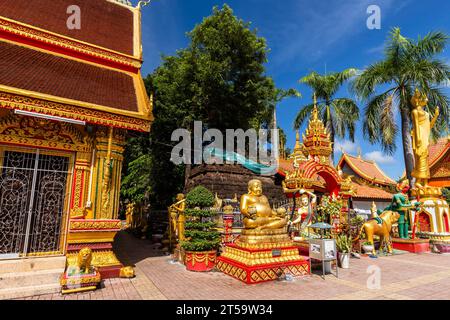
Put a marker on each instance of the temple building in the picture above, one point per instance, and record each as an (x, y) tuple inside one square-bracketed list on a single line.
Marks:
[(439, 159), (369, 182), (68, 95)]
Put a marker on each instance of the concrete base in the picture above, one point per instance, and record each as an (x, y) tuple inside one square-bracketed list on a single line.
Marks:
[(20, 278)]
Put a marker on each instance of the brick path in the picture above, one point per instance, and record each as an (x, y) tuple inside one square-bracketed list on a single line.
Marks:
[(404, 276)]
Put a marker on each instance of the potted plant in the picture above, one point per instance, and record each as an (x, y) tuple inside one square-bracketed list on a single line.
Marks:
[(368, 247), (344, 246), (202, 239)]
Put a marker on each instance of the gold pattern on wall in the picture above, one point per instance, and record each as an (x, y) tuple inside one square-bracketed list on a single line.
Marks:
[(35, 132), (95, 225)]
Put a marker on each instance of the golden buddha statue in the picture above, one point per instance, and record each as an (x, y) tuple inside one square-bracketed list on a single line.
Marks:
[(421, 137), (257, 211)]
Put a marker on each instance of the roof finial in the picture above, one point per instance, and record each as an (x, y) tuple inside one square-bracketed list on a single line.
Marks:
[(359, 153), (315, 114), (143, 3)]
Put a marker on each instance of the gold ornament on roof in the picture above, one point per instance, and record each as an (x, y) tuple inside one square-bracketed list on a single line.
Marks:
[(317, 140)]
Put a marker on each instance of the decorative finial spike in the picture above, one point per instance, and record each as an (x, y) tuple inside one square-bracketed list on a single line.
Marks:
[(143, 3)]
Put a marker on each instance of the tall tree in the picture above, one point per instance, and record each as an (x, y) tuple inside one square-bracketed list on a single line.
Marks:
[(407, 64), (218, 79), (338, 114)]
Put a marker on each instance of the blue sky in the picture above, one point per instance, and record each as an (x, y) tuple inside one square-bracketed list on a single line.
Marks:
[(303, 35)]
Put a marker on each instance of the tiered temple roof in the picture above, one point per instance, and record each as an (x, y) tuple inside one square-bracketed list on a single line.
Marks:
[(439, 158), (90, 74), (369, 181)]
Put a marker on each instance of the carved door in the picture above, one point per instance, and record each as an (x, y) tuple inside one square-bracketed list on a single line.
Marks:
[(33, 196)]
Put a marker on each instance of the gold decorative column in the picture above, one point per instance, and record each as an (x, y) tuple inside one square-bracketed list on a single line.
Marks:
[(80, 184), (108, 168), (98, 225)]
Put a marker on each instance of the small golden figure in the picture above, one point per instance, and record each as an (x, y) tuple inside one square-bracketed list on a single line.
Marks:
[(84, 260), (257, 211), (129, 215), (127, 272), (421, 137), (374, 211)]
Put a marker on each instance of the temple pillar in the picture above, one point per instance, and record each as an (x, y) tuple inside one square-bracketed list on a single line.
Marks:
[(108, 168), (80, 185), (94, 216)]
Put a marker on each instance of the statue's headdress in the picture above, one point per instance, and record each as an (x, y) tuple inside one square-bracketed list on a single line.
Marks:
[(419, 99), (402, 185)]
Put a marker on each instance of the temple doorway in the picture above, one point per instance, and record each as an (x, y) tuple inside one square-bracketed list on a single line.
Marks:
[(424, 222), (34, 197)]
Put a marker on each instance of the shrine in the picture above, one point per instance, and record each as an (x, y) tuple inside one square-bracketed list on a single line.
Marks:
[(310, 168), (67, 99)]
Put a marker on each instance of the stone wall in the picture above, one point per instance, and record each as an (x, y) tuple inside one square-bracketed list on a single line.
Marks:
[(228, 180)]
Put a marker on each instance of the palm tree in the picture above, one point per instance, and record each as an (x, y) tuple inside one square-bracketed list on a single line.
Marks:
[(338, 114), (407, 64)]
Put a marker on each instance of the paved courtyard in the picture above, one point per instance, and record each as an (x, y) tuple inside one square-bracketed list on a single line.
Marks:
[(403, 276)]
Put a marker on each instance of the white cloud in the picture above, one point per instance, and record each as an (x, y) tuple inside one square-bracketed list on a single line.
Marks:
[(346, 145), (379, 157)]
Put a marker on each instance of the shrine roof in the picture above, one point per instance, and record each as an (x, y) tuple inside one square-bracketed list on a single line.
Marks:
[(285, 165), (366, 169), (436, 151), (93, 92), (104, 23), (370, 192)]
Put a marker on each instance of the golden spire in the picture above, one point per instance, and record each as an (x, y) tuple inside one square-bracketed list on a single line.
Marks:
[(315, 113), (317, 140)]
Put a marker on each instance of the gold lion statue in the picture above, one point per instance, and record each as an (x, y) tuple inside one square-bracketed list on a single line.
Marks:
[(84, 260), (126, 272)]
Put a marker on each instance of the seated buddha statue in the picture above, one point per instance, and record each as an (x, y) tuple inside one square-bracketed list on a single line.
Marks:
[(257, 211)]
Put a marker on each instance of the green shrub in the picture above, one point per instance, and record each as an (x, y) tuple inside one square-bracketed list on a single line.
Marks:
[(344, 243), (199, 197), (200, 231)]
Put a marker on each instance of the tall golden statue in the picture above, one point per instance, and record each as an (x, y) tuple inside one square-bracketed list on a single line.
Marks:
[(129, 215), (257, 211), (421, 137), (177, 217)]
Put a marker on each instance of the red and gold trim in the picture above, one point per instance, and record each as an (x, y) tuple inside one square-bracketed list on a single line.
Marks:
[(262, 273), (200, 261), (14, 101), (46, 40)]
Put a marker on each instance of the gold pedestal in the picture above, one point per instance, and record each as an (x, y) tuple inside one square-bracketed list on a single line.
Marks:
[(262, 255)]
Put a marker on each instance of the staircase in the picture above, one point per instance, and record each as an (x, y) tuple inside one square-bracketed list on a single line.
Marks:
[(22, 278)]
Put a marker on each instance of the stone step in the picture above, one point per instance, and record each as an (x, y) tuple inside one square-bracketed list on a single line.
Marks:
[(23, 292), (32, 264), (20, 278), (28, 279)]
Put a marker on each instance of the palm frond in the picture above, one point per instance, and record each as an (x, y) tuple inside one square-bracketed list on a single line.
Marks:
[(376, 74), (396, 46), (437, 98), (379, 125), (433, 43), (303, 115), (346, 115)]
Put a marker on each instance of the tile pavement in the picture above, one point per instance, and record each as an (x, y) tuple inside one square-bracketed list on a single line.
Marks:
[(403, 277)]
